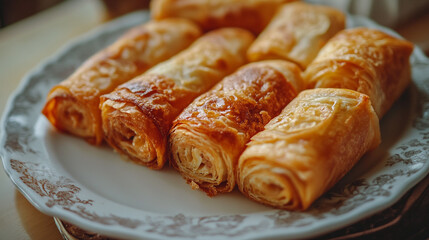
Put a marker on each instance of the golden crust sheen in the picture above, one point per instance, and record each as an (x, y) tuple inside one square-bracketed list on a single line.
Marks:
[(209, 135), (252, 15), (306, 149), (366, 60), (72, 106), (138, 114), (296, 33)]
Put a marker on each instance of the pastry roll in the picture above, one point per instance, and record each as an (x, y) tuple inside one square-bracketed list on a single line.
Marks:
[(306, 149), (209, 135), (296, 33), (72, 106), (137, 116), (252, 15), (365, 60)]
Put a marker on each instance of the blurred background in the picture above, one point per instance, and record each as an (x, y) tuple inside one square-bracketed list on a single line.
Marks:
[(390, 13), (12, 11), (409, 17)]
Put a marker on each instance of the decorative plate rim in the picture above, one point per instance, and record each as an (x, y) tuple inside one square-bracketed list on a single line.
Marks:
[(65, 198)]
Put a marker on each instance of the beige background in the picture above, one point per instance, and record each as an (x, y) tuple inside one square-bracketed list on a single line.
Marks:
[(23, 46)]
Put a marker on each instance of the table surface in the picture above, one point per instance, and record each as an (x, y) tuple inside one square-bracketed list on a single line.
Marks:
[(24, 45)]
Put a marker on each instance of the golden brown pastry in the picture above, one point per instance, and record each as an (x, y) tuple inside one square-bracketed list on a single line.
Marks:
[(209, 135), (365, 60), (306, 149), (252, 15), (72, 106), (137, 116), (296, 33)]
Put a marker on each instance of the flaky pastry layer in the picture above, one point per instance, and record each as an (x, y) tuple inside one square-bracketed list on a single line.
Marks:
[(252, 15), (365, 60), (159, 95), (306, 149), (296, 33), (209, 135), (72, 106)]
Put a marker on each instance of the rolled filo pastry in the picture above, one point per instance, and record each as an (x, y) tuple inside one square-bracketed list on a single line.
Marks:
[(306, 149), (72, 105), (252, 15), (137, 116), (365, 60), (209, 135), (297, 33)]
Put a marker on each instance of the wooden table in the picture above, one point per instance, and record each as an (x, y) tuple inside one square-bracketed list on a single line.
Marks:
[(27, 43)]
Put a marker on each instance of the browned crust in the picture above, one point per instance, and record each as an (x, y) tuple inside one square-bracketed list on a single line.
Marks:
[(166, 89), (233, 111), (309, 152), (131, 55), (252, 15), (365, 60), (296, 33), (248, 99), (159, 101), (79, 118)]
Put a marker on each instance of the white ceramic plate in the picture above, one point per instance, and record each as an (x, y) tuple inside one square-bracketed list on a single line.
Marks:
[(93, 188)]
